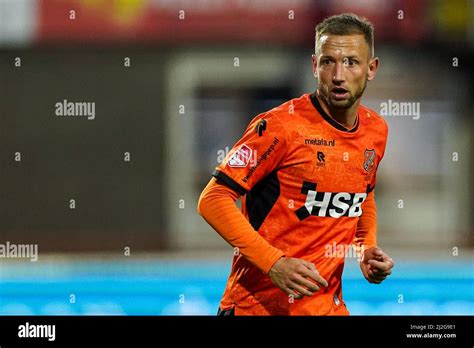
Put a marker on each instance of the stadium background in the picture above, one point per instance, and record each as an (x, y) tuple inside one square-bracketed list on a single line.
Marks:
[(174, 85)]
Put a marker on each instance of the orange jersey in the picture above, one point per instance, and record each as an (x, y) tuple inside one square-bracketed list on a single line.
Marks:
[(304, 178)]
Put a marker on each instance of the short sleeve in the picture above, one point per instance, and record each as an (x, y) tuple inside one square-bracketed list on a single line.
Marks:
[(259, 152)]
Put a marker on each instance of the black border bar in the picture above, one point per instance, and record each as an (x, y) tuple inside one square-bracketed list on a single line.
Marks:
[(174, 330)]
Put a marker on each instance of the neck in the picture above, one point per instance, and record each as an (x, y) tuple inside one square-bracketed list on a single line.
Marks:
[(346, 117)]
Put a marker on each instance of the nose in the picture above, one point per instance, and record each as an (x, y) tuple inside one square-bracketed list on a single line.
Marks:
[(338, 76)]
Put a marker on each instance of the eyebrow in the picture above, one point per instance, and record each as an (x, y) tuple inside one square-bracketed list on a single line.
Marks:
[(346, 57)]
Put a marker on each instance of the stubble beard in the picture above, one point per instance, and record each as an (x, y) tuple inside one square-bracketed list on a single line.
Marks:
[(343, 104)]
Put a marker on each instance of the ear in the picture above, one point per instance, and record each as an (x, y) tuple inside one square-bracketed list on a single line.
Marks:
[(315, 65), (373, 66)]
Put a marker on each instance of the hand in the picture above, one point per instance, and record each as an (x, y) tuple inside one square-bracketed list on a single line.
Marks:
[(296, 277), (376, 265)]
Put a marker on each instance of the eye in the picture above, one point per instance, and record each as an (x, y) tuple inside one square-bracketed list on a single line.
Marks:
[(350, 61), (326, 61)]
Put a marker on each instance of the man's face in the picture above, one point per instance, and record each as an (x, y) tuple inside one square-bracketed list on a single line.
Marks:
[(343, 65)]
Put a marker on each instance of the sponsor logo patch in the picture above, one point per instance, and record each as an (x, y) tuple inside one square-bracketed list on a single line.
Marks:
[(320, 142), (241, 157), (330, 204)]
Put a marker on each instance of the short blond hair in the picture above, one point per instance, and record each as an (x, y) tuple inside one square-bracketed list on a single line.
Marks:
[(346, 24)]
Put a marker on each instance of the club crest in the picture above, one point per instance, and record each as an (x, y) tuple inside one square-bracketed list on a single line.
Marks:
[(369, 160)]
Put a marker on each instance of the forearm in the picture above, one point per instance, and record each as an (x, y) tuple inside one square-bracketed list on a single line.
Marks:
[(217, 206), (366, 233)]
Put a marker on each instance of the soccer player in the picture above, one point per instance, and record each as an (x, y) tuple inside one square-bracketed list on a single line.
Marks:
[(306, 170)]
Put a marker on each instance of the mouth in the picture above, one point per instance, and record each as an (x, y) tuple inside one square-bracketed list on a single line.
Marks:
[(339, 93)]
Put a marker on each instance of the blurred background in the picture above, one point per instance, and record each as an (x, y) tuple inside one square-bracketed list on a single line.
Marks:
[(111, 201)]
